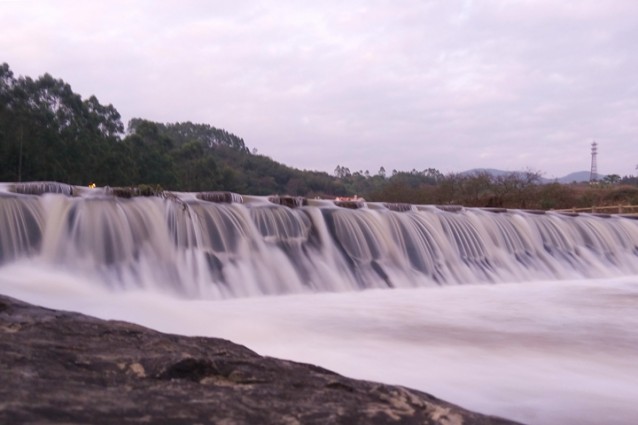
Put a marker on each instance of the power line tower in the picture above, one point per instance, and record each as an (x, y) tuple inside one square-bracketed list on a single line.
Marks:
[(593, 174)]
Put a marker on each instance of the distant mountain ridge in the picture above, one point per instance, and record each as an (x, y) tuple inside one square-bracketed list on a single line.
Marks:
[(576, 176)]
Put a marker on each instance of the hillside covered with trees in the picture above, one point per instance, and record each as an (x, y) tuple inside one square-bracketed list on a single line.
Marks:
[(50, 133)]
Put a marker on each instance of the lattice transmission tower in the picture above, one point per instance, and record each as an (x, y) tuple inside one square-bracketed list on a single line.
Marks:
[(593, 174)]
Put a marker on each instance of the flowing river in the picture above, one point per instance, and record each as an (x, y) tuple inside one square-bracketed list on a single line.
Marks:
[(529, 316)]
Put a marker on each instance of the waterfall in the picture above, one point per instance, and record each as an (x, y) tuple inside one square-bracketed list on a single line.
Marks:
[(200, 263), (224, 245)]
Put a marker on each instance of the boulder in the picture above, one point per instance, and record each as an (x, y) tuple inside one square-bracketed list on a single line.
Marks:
[(62, 367)]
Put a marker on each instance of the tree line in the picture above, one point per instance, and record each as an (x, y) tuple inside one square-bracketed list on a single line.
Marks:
[(48, 132)]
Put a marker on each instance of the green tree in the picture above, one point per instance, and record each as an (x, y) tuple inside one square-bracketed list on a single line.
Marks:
[(611, 179), (47, 132)]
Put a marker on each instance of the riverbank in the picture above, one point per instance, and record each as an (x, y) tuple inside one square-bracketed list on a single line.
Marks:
[(62, 367)]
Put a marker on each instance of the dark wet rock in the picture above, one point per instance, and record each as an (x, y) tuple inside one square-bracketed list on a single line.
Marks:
[(289, 201), (496, 210), (221, 197), (40, 188), (60, 367), (451, 208), (398, 207), (353, 205), (134, 191)]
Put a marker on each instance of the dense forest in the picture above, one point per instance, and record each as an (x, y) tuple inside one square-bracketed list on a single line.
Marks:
[(50, 133)]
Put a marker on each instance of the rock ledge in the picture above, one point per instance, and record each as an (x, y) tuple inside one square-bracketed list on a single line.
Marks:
[(61, 367)]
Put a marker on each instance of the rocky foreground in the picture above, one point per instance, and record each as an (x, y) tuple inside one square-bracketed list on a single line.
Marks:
[(61, 367)]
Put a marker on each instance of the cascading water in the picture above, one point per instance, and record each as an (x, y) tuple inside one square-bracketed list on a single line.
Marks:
[(559, 347), (199, 248)]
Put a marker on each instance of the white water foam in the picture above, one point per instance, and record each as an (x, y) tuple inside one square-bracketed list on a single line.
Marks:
[(552, 352)]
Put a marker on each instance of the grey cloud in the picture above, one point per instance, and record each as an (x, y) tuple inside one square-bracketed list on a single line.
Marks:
[(446, 84)]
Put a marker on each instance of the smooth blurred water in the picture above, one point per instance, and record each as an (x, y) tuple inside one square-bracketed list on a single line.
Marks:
[(199, 249), (541, 352)]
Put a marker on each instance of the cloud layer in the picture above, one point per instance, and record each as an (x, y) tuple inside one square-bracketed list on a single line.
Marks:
[(454, 85)]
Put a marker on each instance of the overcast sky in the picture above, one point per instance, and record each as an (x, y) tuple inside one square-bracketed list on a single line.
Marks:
[(449, 84)]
